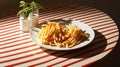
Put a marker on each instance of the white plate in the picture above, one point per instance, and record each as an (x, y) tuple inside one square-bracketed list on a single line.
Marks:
[(84, 27)]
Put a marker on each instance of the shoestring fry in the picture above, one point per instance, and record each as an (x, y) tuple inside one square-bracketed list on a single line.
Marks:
[(60, 35)]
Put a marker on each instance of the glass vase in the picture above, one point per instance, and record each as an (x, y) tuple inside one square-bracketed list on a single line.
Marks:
[(34, 17), (24, 24)]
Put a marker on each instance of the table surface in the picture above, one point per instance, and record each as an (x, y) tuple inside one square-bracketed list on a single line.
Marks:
[(18, 49)]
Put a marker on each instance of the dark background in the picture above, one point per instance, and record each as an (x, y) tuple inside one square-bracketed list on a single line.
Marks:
[(110, 7)]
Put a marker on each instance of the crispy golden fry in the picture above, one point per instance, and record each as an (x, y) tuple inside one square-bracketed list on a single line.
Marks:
[(56, 34)]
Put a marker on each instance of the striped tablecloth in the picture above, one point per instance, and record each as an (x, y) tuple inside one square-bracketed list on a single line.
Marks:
[(18, 50)]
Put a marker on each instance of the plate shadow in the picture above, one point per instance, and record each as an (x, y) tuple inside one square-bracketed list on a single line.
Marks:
[(95, 47)]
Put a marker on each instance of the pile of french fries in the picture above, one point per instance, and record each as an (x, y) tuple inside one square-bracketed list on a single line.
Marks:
[(60, 35)]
